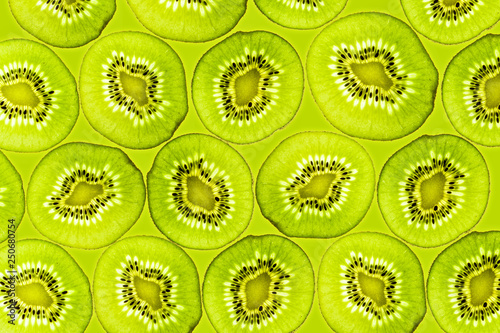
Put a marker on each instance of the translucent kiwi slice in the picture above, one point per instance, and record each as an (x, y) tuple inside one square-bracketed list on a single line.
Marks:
[(11, 198), (371, 76), (433, 190), (451, 21), (371, 282), (38, 97), (51, 292), (316, 184), (261, 283), (200, 192), (471, 91), (463, 284), (146, 284), (189, 20), (63, 23), (84, 195), (248, 86), (133, 89)]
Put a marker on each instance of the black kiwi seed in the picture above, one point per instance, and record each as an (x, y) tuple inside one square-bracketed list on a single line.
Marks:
[(72, 10), (455, 12)]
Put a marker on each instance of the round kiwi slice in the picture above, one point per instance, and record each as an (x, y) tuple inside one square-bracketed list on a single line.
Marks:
[(248, 86), (200, 192), (63, 23), (188, 20), (11, 198), (146, 284), (260, 283), (300, 14), (433, 190), (463, 284), (451, 21), (371, 76), (47, 287), (316, 184), (371, 282), (471, 91), (84, 195), (38, 97), (133, 89)]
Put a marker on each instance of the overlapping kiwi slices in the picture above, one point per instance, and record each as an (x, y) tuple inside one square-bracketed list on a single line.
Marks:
[(84, 195), (46, 286), (316, 184), (133, 89), (146, 284), (188, 20), (11, 197), (38, 97), (371, 282), (371, 76), (200, 192), (433, 190), (451, 21), (464, 283), (471, 91), (248, 86), (63, 23), (261, 283)]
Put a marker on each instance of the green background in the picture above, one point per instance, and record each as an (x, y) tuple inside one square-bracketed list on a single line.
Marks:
[(309, 117)]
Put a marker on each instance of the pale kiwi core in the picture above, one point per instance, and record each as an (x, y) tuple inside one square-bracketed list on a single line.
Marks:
[(83, 193), (492, 92), (149, 292), (200, 194), (34, 294), (481, 287), (318, 186), (432, 190), (246, 87), (372, 74), (20, 94), (257, 291), (450, 2), (372, 287), (135, 87)]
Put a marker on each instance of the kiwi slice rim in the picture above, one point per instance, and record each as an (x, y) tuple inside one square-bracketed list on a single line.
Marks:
[(16, 187)]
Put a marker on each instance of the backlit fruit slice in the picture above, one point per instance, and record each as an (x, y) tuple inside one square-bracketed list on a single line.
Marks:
[(371, 282), (371, 76), (133, 89), (260, 284), (11, 198), (38, 97), (433, 190), (200, 192), (248, 86), (463, 284), (471, 91), (316, 184), (48, 287), (146, 284), (84, 195)]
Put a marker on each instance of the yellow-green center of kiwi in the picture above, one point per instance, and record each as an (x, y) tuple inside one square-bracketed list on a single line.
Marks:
[(318, 186), (247, 87), (20, 94), (432, 190), (450, 2), (83, 193), (372, 74), (492, 92), (70, 2), (200, 194), (481, 287), (34, 294), (149, 292), (257, 291), (135, 87), (372, 287)]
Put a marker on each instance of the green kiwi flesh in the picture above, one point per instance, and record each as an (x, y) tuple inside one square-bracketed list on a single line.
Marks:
[(261, 283), (200, 192), (146, 284), (248, 86), (433, 190), (52, 293), (84, 195), (371, 282), (38, 97), (133, 89), (11, 198), (371, 76), (316, 184)]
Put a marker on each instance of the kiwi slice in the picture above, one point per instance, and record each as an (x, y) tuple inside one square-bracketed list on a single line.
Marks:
[(433, 190), (47, 287), (38, 97), (146, 284), (316, 184), (260, 283), (371, 282), (451, 21), (11, 198), (200, 192), (133, 89), (63, 23), (471, 91), (84, 195), (188, 20), (371, 76), (248, 86), (300, 14)]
